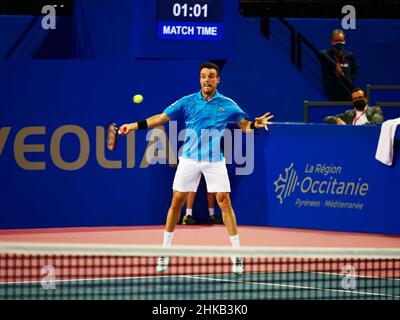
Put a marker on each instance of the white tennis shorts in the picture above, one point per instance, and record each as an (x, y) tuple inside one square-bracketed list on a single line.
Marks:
[(188, 175)]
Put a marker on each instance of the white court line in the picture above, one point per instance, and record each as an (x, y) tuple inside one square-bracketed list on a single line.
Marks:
[(215, 279), (294, 286), (183, 276), (354, 275), (88, 279)]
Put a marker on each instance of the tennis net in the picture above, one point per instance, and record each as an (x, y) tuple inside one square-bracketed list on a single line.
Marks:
[(125, 272)]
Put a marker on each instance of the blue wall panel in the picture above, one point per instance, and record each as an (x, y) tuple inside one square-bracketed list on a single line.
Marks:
[(86, 94), (11, 27), (375, 44), (98, 88), (351, 150)]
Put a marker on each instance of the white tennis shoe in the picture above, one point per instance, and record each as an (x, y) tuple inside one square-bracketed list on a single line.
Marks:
[(162, 264), (237, 265)]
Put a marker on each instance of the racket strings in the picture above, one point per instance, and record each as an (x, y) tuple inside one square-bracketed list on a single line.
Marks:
[(112, 136)]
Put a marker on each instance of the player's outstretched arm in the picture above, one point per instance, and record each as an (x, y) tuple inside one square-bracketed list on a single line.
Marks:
[(149, 123), (259, 122)]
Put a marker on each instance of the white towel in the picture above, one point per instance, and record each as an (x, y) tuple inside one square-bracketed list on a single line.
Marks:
[(384, 151)]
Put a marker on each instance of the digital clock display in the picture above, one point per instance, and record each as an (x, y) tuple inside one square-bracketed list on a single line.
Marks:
[(184, 10), (190, 19)]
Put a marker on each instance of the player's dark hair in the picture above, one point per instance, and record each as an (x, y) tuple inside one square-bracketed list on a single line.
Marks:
[(357, 89), (210, 65)]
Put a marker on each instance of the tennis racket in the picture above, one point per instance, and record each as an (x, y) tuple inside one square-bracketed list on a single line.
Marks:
[(112, 136)]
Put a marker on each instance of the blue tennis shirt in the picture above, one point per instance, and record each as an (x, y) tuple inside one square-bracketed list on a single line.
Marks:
[(205, 122)]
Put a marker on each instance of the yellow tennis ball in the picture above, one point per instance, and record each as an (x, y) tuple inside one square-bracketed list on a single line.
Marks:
[(137, 98)]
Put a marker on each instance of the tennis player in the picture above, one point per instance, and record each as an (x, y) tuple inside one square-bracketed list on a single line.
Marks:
[(204, 112)]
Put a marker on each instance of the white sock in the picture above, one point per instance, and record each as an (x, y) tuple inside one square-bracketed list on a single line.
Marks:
[(167, 238), (189, 212), (211, 211), (235, 241)]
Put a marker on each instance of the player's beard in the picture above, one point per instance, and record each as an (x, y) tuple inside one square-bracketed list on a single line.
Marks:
[(208, 91)]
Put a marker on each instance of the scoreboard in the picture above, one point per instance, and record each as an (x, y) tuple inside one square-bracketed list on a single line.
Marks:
[(190, 19), (184, 29)]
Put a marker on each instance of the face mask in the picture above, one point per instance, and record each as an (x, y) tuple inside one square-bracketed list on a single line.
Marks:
[(359, 105), (339, 45)]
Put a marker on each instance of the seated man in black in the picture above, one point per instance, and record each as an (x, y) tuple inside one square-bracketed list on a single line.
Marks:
[(361, 114), (339, 68)]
